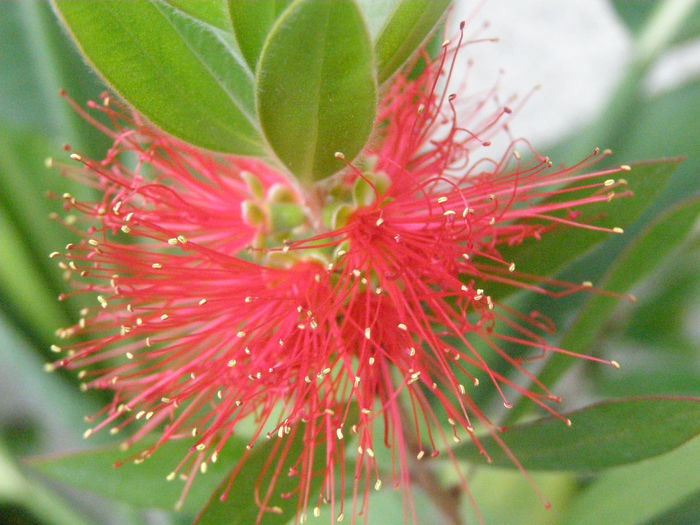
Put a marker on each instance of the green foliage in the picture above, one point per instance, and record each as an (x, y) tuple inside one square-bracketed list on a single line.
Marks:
[(180, 72), (144, 484), (407, 26), (601, 436), (252, 21), (639, 259), (189, 66), (212, 12), (316, 89)]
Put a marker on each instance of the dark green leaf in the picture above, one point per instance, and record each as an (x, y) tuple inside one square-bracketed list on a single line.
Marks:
[(316, 88), (562, 245), (142, 485), (406, 29), (240, 508), (633, 494), (252, 21), (682, 514), (601, 435), (178, 71)]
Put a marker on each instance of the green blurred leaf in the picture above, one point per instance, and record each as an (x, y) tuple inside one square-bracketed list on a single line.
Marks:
[(407, 27), (682, 514), (636, 13), (181, 73), (240, 508), (663, 127), (45, 507), (633, 494), (212, 12), (252, 21), (505, 497), (659, 374), (316, 88), (563, 245), (37, 62), (142, 485), (640, 257), (661, 317), (25, 290), (601, 436)]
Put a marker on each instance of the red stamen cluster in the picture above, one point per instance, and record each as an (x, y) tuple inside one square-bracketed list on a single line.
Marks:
[(196, 327)]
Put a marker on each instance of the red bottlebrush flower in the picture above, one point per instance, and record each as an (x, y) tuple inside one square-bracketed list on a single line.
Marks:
[(226, 293)]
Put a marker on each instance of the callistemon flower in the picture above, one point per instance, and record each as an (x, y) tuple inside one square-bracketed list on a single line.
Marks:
[(225, 292)]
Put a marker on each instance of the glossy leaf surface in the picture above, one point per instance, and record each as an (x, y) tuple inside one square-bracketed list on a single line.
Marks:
[(315, 87), (178, 71)]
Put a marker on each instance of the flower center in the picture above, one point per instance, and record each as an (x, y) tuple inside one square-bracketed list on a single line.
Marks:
[(289, 233)]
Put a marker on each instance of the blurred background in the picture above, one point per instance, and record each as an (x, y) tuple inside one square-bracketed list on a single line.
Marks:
[(618, 74)]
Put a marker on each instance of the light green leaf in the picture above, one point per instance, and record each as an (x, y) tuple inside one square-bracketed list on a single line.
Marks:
[(176, 70), (316, 90), (563, 245), (601, 435), (635, 493), (252, 21), (212, 12), (407, 28), (145, 484)]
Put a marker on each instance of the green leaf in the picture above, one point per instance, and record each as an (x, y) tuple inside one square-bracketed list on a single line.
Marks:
[(252, 21), (212, 12), (405, 30), (563, 245), (240, 508), (179, 72), (316, 90), (145, 484), (601, 435), (635, 493)]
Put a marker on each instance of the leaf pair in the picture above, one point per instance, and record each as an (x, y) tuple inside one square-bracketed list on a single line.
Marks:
[(298, 77)]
